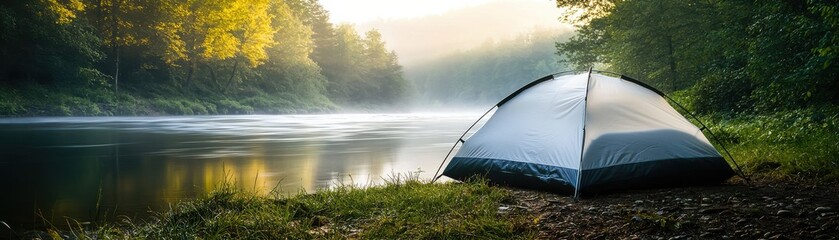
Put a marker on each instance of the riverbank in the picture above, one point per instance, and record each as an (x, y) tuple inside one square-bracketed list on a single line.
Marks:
[(43, 100), (406, 208), (403, 208)]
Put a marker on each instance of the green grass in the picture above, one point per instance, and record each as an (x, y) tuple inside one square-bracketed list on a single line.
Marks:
[(403, 208), (799, 144)]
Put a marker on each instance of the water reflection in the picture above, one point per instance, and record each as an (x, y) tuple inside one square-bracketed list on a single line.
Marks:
[(127, 166)]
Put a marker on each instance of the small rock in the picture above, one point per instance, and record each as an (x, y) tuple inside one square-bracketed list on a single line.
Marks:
[(824, 236), (823, 209), (784, 213), (678, 237), (637, 218), (706, 199), (503, 209), (715, 230), (712, 210), (639, 201)]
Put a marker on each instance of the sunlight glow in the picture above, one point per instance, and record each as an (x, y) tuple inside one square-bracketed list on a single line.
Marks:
[(361, 11)]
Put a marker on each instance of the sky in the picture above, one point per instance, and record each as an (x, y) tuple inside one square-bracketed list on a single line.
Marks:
[(421, 30), (362, 11)]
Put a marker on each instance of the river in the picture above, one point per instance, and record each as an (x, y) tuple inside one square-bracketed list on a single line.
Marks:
[(98, 168)]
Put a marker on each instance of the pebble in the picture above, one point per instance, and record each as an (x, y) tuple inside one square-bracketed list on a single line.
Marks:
[(784, 213), (678, 237), (706, 199), (503, 209), (712, 210), (823, 209), (639, 201)]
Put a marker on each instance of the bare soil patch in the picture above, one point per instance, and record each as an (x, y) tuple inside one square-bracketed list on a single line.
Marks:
[(766, 209)]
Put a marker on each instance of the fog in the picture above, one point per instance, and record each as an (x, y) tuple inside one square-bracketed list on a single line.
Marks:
[(421, 39)]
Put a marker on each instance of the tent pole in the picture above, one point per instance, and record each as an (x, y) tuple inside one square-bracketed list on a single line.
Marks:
[(713, 136), (459, 140), (583, 145)]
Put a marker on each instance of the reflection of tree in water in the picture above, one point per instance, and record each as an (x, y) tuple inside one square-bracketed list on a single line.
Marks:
[(366, 158), (63, 168)]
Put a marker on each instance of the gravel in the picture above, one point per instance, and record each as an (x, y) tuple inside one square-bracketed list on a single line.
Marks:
[(734, 210)]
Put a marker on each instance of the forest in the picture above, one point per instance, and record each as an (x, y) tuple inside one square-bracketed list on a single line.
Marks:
[(763, 74), (173, 57)]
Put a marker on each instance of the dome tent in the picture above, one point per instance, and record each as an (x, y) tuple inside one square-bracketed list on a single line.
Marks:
[(588, 132)]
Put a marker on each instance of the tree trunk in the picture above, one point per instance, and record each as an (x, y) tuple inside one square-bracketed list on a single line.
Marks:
[(116, 70), (672, 63), (230, 80), (213, 75)]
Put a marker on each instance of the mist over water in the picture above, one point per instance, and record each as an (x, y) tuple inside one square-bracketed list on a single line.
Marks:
[(64, 166)]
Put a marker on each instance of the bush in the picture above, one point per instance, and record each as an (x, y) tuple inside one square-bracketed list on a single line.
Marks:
[(790, 143), (727, 92), (227, 106)]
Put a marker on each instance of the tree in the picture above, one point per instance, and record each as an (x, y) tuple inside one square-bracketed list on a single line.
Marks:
[(201, 33), (383, 74), (47, 41), (732, 56)]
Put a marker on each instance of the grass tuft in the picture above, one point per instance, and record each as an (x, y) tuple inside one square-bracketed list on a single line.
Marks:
[(405, 207)]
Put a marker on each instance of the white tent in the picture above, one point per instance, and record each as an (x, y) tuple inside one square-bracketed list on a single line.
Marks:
[(588, 133)]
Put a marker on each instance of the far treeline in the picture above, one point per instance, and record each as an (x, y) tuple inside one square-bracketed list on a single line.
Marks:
[(487, 73), (140, 57), (764, 74)]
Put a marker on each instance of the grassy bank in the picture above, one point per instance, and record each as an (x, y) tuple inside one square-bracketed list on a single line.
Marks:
[(400, 209)]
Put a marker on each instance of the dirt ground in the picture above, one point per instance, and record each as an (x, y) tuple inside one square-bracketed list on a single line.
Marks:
[(763, 209)]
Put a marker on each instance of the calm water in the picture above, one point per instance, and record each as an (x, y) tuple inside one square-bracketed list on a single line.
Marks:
[(62, 166)]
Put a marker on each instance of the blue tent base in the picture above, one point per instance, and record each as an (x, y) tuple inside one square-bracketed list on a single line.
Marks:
[(651, 174)]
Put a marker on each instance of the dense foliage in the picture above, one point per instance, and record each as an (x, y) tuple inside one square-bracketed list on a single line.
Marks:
[(734, 56), (489, 72), (85, 57), (763, 74)]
